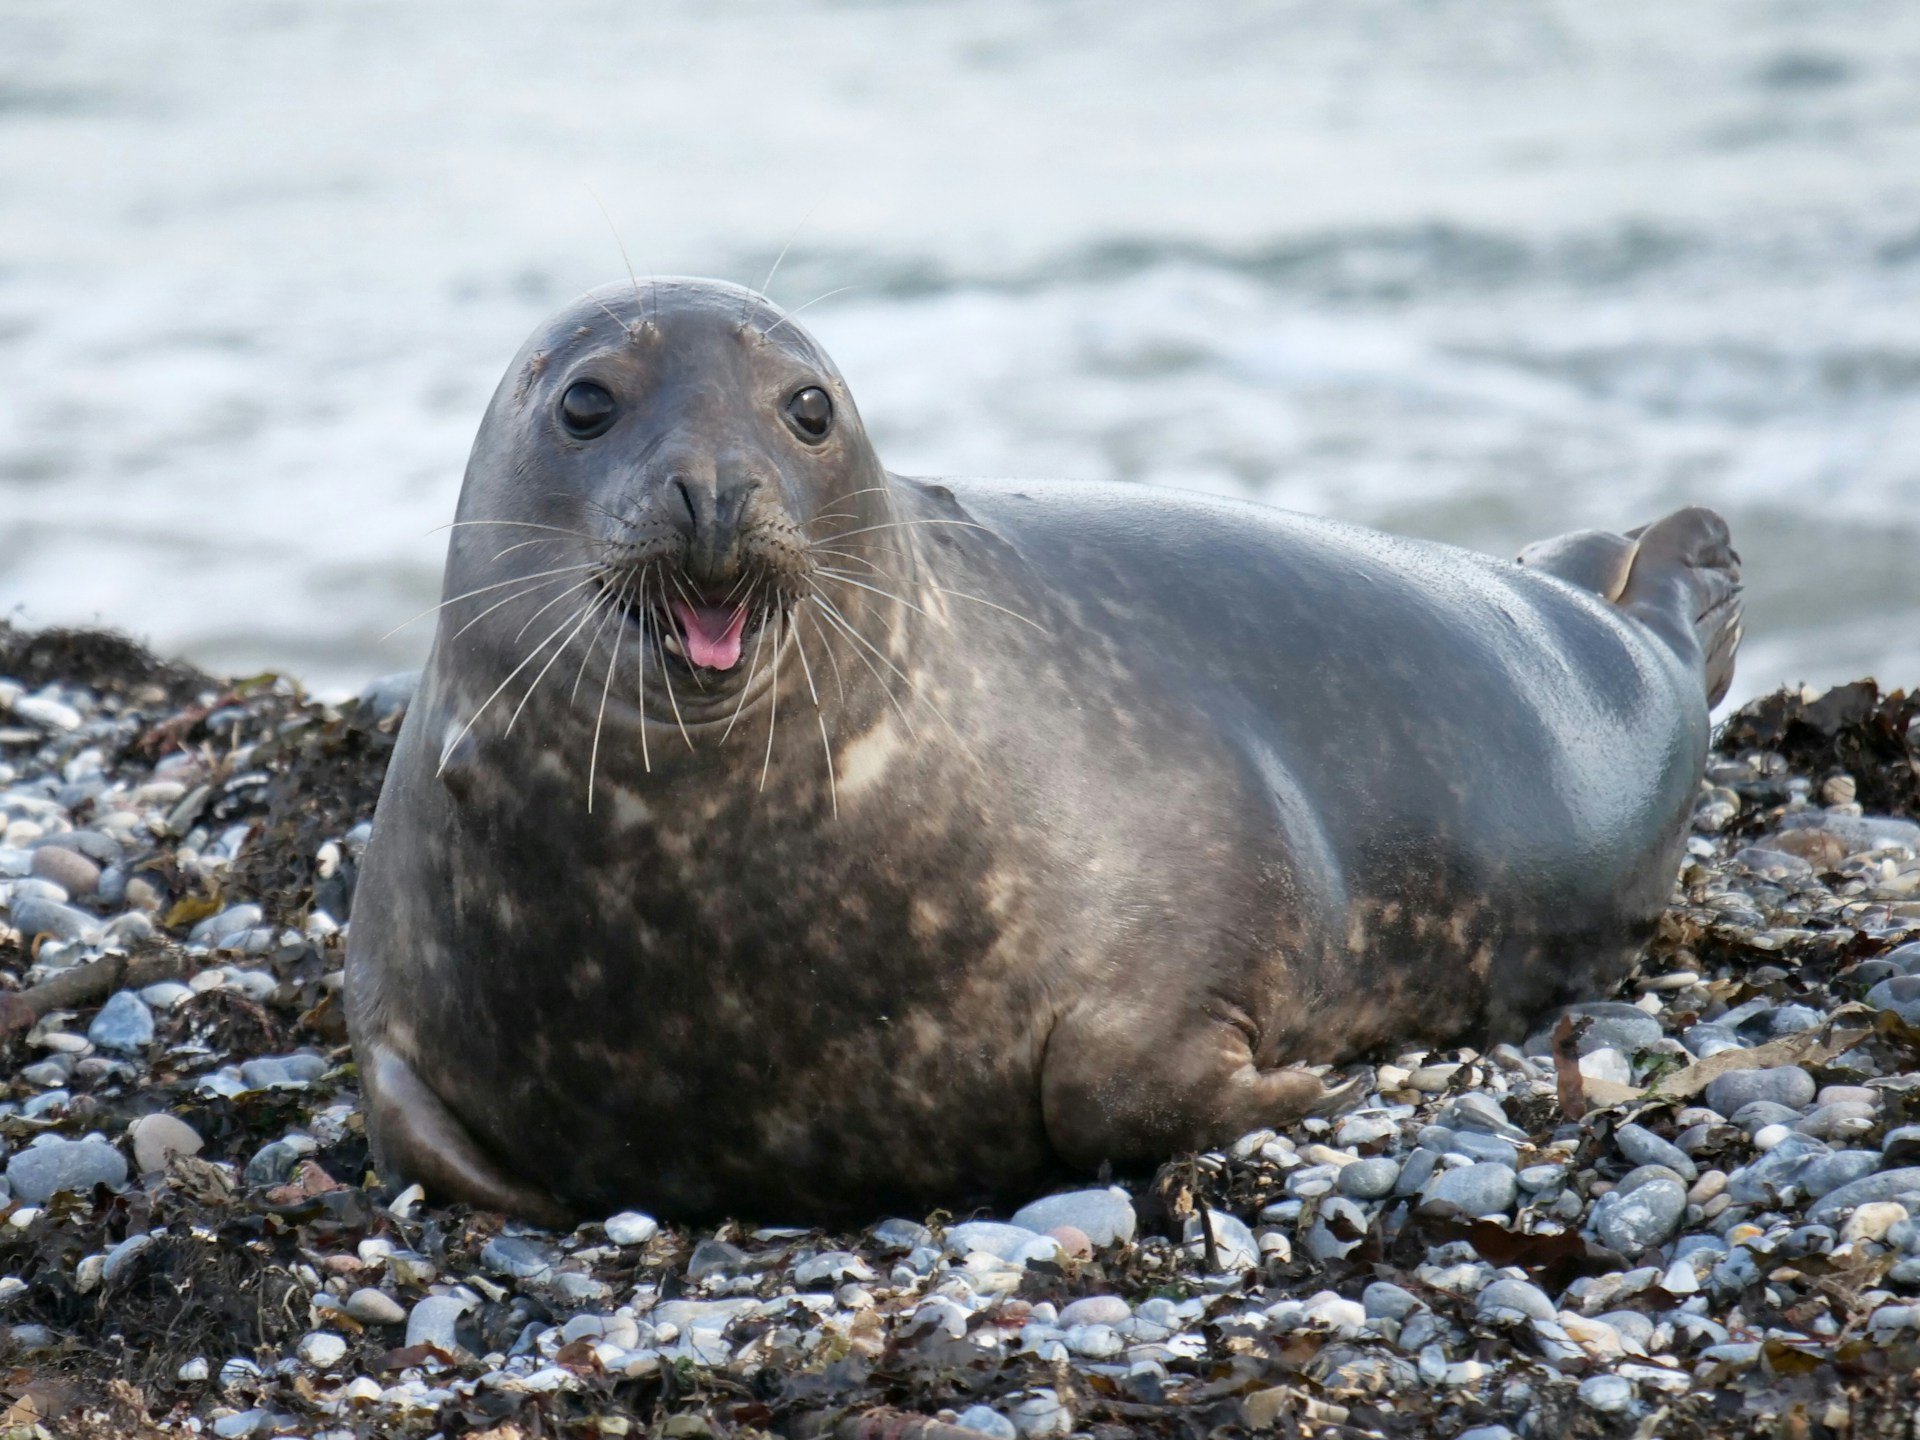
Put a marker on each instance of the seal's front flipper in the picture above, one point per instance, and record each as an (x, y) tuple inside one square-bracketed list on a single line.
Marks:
[(1679, 576), (416, 1137)]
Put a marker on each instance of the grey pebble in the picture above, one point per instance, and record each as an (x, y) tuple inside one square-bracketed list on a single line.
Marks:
[(1105, 1217), (1383, 1300), (1490, 1148), (1826, 1173), (1643, 1147), (992, 1236), (375, 1307), (714, 1257), (631, 1227), (33, 915), (1609, 1394), (434, 1318), (902, 1234), (985, 1421), (1233, 1241), (69, 869), (1887, 1185), (124, 1024), (1480, 1189), (1611, 1025), (1370, 1179), (1709, 1039), (522, 1259), (1415, 1173), (1633, 1222), (1787, 1085), (1756, 1115), (1514, 1299), (39, 1172), (273, 1163), (1899, 994), (229, 922), (157, 1138)]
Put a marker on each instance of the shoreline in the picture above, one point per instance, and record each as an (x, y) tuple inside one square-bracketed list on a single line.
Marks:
[(1696, 1207)]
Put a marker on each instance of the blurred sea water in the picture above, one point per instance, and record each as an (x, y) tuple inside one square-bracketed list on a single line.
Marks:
[(1480, 272)]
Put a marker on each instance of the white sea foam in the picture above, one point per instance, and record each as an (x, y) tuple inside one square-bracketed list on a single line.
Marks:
[(1476, 274)]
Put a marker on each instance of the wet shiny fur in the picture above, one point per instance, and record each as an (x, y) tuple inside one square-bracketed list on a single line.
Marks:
[(1169, 794)]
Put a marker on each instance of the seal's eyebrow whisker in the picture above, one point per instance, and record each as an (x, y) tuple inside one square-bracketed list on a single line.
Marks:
[(632, 279), (767, 334), (754, 296), (482, 590)]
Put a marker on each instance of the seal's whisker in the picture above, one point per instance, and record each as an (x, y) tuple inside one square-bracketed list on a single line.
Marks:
[(586, 614), (831, 515), (819, 716), (773, 707), (612, 610), (844, 578), (849, 555), (606, 688), (767, 333), (746, 687), (482, 590), (660, 654), (963, 595), (839, 681), (832, 612), (577, 585), (886, 689), (647, 638), (500, 555), (901, 525), (517, 595), (447, 753), (522, 524)]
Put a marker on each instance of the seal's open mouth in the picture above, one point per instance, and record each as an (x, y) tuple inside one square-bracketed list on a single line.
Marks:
[(705, 635)]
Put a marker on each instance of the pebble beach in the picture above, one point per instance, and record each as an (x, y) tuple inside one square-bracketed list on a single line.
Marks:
[(1687, 1208)]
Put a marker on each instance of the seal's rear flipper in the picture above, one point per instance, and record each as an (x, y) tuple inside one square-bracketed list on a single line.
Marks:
[(1679, 576)]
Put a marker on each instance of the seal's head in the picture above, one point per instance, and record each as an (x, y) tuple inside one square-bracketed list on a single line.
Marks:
[(661, 469)]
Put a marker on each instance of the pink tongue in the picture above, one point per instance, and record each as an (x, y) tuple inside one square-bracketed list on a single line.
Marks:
[(711, 633)]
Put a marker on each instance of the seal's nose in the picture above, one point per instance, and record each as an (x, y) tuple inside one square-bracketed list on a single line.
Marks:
[(707, 510)]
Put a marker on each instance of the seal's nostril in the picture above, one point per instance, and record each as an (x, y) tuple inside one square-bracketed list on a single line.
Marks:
[(681, 489)]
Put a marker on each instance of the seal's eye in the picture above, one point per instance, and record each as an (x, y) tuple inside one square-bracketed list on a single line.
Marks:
[(586, 409), (811, 412)]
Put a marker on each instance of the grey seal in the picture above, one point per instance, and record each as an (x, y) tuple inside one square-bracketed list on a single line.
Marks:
[(775, 835)]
